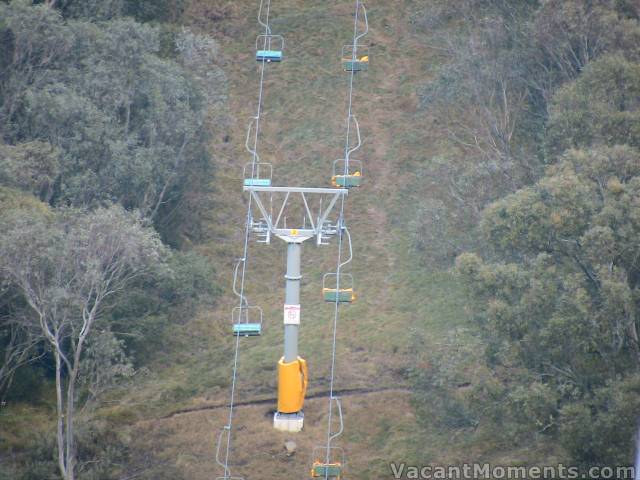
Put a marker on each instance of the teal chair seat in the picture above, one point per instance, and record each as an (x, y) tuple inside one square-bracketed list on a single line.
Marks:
[(247, 329), (257, 182), (269, 55)]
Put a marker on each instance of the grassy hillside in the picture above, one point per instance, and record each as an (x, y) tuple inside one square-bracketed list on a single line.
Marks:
[(303, 132)]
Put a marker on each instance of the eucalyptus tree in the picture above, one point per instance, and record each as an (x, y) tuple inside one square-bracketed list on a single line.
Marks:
[(494, 99), (69, 270), (31, 167), (128, 124), (601, 107), (19, 337), (559, 308)]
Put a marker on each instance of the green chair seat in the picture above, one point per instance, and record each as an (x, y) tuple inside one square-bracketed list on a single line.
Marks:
[(247, 329), (355, 66), (332, 470), (344, 295), (347, 181)]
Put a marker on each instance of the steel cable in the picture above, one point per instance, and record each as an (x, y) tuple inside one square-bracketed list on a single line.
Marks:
[(341, 231), (229, 426)]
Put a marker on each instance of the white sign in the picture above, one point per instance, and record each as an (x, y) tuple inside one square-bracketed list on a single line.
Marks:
[(292, 314)]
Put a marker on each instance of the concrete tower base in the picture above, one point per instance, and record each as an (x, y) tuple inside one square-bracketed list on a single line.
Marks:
[(288, 422)]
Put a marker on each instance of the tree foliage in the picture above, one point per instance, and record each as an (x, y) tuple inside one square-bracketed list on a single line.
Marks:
[(122, 124), (68, 271), (557, 310), (552, 270), (105, 118), (601, 107), (519, 83)]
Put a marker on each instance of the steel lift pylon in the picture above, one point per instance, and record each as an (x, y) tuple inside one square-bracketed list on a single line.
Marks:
[(315, 223)]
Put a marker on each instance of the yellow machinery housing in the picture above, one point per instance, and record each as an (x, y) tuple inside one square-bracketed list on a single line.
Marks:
[(292, 385)]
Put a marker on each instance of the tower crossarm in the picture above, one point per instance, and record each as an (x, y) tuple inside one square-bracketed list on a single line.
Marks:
[(313, 223)]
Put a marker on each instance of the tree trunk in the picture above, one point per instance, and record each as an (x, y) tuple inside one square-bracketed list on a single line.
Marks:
[(71, 391), (60, 420), (70, 444)]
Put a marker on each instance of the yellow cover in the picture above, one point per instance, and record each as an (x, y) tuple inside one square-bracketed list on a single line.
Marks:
[(292, 385)]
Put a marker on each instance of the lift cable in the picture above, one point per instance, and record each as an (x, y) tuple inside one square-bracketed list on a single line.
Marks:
[(342, 230), (243, 260)]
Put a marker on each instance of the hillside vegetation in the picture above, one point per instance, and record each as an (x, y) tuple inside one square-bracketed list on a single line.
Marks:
[(495, 237)]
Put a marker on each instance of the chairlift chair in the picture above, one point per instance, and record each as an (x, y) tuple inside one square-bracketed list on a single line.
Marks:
[(269, 48), (247, 321), (347, 175), (327, 466), (257, 174), (343, 293), (357, 61)]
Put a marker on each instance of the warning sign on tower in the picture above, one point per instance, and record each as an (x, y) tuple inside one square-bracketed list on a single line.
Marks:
[(292, 314)]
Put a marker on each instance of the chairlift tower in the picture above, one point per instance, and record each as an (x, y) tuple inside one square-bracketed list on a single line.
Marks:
[(315, 223)]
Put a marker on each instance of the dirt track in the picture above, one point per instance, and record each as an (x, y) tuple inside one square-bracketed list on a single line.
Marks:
[(273, 400)]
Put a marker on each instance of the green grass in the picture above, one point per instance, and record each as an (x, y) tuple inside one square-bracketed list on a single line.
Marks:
[(302, 133)]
